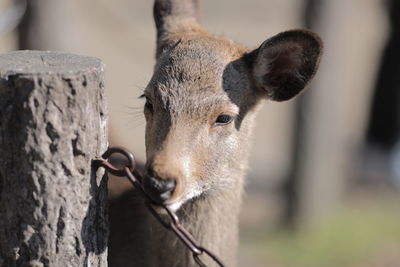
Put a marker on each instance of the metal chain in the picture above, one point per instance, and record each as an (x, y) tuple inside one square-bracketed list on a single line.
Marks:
[(172, 224)]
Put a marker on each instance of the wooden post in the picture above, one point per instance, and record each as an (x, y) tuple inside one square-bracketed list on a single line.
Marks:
[(52, 125)]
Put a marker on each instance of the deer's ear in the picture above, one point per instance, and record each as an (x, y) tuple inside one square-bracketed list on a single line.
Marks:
[(284, 64)]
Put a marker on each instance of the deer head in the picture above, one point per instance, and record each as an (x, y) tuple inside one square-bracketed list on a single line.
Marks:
[(202, 99)]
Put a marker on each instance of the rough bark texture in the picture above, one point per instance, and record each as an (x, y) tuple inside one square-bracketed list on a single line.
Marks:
[(52, 124)]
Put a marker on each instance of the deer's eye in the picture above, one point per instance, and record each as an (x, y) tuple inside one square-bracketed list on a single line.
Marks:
[(149, 104), (223, 120)]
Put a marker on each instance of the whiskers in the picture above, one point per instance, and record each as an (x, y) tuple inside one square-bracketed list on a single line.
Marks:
[(135, 116)]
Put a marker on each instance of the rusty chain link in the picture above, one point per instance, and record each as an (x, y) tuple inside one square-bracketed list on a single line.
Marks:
[(173, 224)]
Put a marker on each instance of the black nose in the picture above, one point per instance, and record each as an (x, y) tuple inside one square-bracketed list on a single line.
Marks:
[(159, 190)]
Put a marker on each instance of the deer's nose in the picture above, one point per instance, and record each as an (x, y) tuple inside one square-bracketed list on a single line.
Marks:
[(160, 190)]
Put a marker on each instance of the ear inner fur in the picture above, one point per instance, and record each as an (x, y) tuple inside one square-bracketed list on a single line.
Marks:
[(284, 64)]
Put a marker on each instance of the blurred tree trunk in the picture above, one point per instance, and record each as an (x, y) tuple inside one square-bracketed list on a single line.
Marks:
[(384, 123), (331, 118), (50, 25), (291, 185)]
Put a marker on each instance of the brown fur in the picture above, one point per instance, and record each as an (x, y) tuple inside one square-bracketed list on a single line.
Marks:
[(198, 77)]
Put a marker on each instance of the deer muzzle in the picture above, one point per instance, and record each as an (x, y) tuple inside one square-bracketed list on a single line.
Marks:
[(159, 189)]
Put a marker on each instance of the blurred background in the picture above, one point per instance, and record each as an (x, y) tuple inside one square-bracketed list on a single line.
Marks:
[(324, 173)]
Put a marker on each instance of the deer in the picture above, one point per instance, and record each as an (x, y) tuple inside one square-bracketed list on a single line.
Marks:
[(200, 106)]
